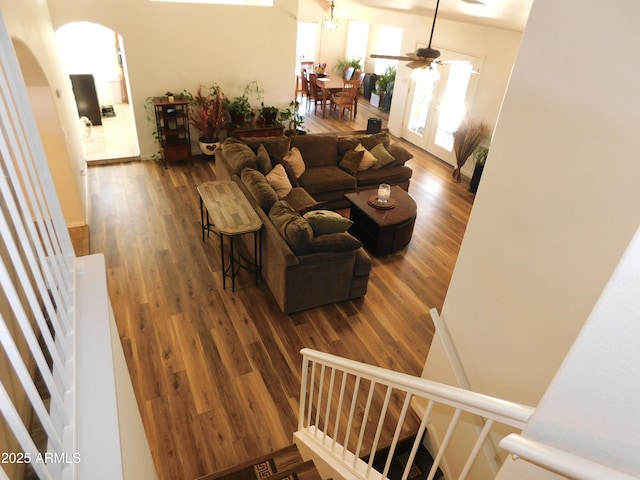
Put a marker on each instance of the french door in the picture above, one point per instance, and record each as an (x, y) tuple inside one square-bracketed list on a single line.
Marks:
[(438, 102)]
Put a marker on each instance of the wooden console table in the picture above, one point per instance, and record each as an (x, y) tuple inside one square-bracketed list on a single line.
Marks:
[(247, 130), (226, 211)]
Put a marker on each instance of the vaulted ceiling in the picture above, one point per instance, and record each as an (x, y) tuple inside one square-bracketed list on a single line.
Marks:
[(509, 14)]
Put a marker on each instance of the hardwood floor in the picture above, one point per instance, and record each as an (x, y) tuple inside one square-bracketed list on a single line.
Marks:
[(217, 374)]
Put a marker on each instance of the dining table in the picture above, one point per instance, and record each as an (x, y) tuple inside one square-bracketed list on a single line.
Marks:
[(329, 86)]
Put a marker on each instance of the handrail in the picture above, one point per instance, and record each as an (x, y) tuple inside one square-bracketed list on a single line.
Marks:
[(560, 461), (503, 411), (320, 432)]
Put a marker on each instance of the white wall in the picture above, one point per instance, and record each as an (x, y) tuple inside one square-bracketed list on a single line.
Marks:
[(558, 200), (597, 390), (180, 46)]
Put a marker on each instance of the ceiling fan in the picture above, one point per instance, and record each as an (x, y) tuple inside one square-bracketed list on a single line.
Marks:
[(423, 57)]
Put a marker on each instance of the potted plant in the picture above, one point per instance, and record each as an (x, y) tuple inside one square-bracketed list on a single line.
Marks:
[(480, 157), (268, 113), (342, 63), (293, 118), (466, 139), (384, 88), (239, 108), (207, 115)]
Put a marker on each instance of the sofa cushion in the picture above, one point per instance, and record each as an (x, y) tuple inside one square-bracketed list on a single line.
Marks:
[(383, 157), (317, 150), (294, 159), (324, 222), (395, 175), (263, 160), (239, 156), (259, 188), (294, 229), (335, 242), (300, 200), (400, 154), (279, 181), (326, 179), (276, 146), (368, 141)]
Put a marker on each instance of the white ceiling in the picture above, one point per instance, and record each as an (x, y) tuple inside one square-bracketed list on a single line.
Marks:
[(509, 14)]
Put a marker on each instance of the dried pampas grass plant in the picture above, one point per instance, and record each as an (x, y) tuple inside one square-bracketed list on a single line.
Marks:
[(469, 136)]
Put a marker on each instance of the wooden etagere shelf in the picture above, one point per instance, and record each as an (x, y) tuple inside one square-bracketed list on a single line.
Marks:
[(172, 125)]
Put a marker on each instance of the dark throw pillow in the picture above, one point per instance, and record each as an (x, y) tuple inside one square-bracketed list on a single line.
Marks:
[(351, 161), (263, 160), (259, 188), (294, 229)]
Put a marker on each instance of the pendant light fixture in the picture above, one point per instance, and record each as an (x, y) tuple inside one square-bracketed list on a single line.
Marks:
[(330, 23)]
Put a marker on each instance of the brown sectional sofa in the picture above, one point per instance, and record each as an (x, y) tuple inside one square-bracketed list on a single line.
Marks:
[(302, 270)]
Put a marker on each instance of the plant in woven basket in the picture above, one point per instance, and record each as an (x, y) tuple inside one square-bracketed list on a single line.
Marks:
[(466, 139)]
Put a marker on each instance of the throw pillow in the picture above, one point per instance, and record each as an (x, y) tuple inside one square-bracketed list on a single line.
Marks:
[(400, 153), (276, 146), (368, 141), (294, 158), (259, 188), (279, 181), (351, 161), (263, 160), (294, 229), (382, 155), (290, 175), (335, 242), (324, 222), (367, 158)]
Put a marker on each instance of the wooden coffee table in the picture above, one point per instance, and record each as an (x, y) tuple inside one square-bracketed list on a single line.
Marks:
[(382, 231)]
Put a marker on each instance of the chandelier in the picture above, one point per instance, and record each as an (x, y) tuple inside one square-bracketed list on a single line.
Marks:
[(330, 23)]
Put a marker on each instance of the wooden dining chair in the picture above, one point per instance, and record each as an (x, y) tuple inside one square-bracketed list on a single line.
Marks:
[(304, 86), (315, 94), (348, 73), (346, 99)]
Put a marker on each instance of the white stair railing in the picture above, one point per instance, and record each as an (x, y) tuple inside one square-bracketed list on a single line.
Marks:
[(345, 408), (36, 293), (59, 402)]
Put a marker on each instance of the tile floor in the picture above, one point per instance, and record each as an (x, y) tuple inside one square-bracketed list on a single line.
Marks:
[(115, 139)]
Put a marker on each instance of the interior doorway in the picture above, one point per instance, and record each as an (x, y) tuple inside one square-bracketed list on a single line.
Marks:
[(438, 101), (95, 60)]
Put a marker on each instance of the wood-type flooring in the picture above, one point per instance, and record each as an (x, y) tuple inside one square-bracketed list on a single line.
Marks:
[(217, 374)]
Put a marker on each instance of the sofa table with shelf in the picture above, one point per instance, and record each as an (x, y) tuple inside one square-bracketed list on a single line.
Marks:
[(225, 210), (248, 130)]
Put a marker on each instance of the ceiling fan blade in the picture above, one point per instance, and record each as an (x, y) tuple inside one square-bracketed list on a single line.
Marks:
[(418, 64), (391, 57)]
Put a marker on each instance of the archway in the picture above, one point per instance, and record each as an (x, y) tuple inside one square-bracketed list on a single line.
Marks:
[(43, 106), (93, 56)]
